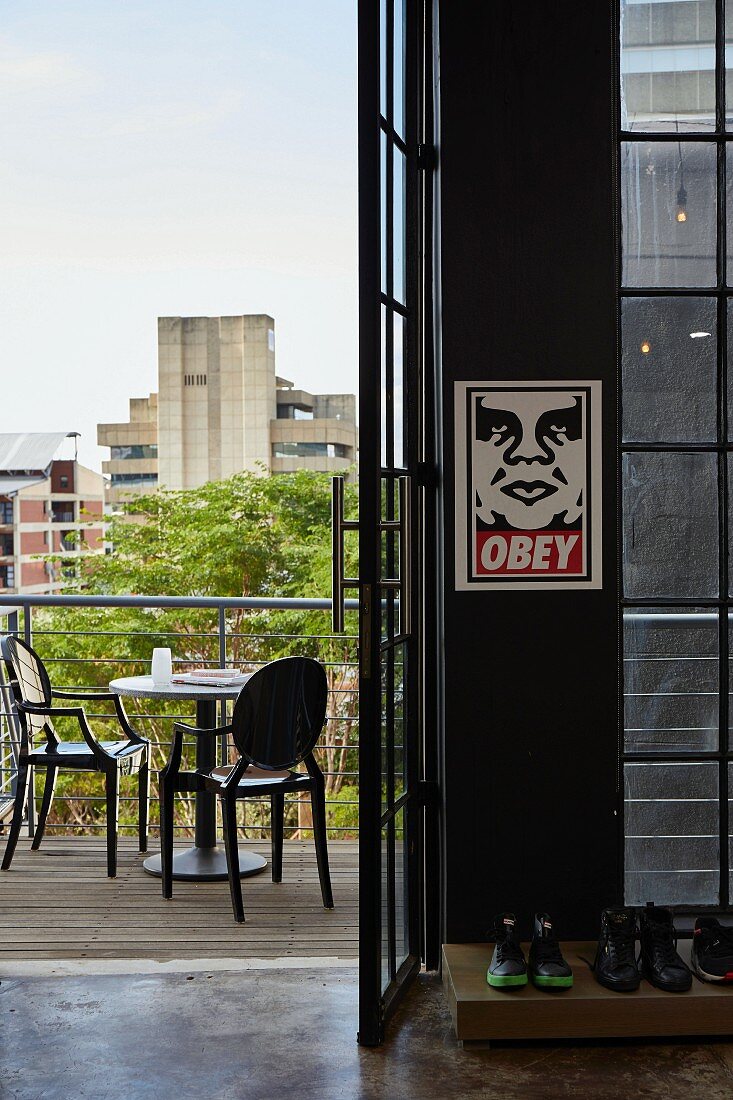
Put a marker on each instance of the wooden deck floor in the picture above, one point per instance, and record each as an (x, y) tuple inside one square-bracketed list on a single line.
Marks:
[(57, 903)]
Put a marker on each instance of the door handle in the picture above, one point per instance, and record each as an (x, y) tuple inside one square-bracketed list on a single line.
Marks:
[(339, 583)]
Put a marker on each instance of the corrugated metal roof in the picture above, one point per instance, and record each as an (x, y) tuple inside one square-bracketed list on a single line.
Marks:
[(28, 451), (10, 485)]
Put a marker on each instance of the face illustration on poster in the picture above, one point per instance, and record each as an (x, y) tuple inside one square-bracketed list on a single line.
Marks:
[(528, 484), (529, 460)]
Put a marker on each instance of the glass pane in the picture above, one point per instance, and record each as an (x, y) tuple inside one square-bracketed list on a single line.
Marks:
[(670, 518), (669, 370), (668, 213), (398, 248), (399, 720), (390, 567), (399, 67), (730, 830), (402, 939), (728, 64), (670, 680), (672, 841), (668, 65), (383, 388), (730, 523), (383, 61), (386, 714), (385, 969), (729, 213), (730, 367), (399, 389), (383, 206)]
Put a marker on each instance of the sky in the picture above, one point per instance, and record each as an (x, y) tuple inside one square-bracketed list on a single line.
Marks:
[(170, 158)]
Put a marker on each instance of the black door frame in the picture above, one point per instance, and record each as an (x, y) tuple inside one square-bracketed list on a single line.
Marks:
[(380, 470)]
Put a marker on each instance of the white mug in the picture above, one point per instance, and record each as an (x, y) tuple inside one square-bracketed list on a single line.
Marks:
[(161, 667)]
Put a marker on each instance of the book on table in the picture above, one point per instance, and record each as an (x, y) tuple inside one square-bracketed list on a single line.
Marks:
[(212, 677)]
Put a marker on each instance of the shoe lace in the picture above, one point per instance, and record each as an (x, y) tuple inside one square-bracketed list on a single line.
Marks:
[(621, 946), (506, 946), (663, 944), (720, 944), (547, 950)]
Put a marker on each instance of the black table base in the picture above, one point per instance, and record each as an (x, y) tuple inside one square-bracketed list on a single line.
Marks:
[(206, 864)]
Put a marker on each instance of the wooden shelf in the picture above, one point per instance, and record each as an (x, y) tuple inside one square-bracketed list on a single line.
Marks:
[(587, 1010)]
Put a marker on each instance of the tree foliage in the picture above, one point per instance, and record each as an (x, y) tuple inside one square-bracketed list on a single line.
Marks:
[(250, 535)]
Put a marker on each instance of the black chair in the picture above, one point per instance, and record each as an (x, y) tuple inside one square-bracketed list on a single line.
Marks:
[(34, 697), (277, 719)]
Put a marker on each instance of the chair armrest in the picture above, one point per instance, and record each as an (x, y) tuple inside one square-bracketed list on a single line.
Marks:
[(125, 721), (69, 712), (105, 695), (197, 730), (173, 764), (231, 782)]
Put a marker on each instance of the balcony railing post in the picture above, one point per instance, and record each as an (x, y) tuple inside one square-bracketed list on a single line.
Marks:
[(33, 630)]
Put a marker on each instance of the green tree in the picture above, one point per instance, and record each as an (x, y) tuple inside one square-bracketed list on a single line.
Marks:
[(247, 536)]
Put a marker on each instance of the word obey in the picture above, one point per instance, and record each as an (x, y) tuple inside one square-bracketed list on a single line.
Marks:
[(548, 553)]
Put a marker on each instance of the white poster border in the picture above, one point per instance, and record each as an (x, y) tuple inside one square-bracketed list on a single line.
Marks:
[(465, 583)]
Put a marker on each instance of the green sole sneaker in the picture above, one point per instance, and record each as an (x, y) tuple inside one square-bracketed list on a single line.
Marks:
[(506, 981), (543, 982)]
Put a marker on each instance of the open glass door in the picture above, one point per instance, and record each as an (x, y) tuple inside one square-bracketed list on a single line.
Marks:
[(391, 34)]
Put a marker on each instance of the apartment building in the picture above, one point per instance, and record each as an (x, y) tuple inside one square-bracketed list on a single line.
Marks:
[(48, 505), (132, 467), (221, 409)]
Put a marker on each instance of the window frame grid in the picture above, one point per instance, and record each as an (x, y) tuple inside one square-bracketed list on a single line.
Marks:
[(722, 293)]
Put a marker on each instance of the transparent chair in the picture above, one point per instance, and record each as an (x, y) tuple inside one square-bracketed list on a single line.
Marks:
[(277, 719), (34, 700)]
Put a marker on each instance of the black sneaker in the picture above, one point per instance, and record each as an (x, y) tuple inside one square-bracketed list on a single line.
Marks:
[(508, 968), (660, 963), (547, 967), (712, 950), (615, 963)]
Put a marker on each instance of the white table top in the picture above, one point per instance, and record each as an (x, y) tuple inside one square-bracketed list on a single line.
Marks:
[(142, 687)]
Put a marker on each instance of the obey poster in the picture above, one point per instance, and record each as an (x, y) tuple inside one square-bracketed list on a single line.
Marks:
[(528, 485)]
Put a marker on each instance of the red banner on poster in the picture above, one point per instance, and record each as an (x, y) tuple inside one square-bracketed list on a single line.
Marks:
[(529, 553)]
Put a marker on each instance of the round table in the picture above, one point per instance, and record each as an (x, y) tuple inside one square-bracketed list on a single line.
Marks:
[(205, 861)]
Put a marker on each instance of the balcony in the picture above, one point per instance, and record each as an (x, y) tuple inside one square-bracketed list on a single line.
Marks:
[(65, 880)]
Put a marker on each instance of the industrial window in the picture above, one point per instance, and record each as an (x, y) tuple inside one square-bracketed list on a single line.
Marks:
[(6, 511), (310, 450), (675, 314), (7, 576), (135, 450)]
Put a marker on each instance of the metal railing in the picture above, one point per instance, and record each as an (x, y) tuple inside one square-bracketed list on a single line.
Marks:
[(100, 638)]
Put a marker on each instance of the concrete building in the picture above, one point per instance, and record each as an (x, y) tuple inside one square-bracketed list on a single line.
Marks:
[(221, 409), (48, 505), (133, 462)]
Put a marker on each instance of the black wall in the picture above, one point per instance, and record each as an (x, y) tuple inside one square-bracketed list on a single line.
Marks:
[(527, 276)]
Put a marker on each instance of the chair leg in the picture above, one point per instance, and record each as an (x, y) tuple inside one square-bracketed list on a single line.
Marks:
[(48, 790), (277, 828), (143, 802), (229, 824), (318, 803), (20, 792), (112, 790), (166, 795)]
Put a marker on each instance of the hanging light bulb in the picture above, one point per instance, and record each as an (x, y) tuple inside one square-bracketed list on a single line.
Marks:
[(645, 347), (681, 214)]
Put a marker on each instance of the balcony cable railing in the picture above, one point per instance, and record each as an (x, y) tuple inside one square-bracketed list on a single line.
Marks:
[(226, 643)]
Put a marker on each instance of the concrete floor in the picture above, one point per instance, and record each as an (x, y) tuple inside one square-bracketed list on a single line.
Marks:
[(271, 1034)]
